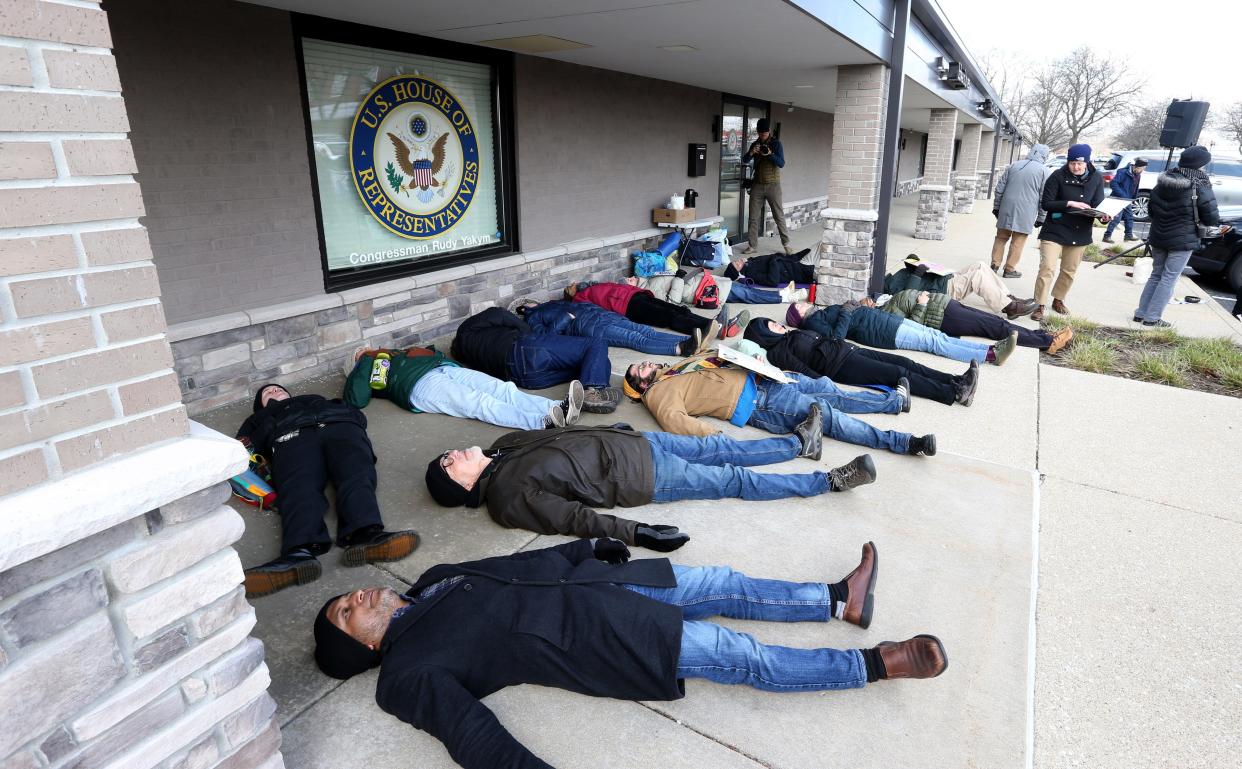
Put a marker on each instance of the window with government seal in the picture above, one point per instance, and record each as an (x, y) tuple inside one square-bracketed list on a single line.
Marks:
[(409, 158)]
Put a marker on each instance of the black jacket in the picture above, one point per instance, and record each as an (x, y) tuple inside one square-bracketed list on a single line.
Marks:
[(552, 617), (1172, 209), (776, 269), (549, 481), (805, 352), (280, 417), (483, 341), (1063, 227)]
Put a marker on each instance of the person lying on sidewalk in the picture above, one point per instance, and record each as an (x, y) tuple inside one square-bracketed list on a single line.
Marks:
[(421, 379), (499, 343), (708, 386), (594, 322), (975, 279), (583, 617), (551, 481), (308, 439), (812, 354), (942, 312), (860, 321), (642, 306), (681, 289), (774, 269)]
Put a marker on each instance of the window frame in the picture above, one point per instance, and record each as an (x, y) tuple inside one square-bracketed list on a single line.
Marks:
[(504, 131)]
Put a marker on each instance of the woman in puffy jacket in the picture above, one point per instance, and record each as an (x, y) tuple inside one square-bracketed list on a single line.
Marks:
[(1180, 193)]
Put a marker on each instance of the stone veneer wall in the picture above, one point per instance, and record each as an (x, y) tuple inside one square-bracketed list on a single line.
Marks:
[(981, 190), (222, 359), (124, 637), (799, 213)]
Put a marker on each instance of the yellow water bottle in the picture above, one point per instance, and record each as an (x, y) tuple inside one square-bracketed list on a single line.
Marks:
[(379, 371)]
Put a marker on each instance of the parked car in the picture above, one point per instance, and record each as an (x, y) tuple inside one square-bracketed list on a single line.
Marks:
[(1225, 172), (1222, 256), (1055, 162)]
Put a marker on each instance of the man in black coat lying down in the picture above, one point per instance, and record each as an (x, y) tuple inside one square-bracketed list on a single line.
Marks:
[(584, 618)]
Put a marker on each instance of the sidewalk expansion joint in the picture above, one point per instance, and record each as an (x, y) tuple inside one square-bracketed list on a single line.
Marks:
[(707, 736), (1146, 499)]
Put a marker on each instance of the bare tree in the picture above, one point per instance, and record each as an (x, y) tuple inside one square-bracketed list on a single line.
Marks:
[(1230, 122), (1091, 89), (1141, 129), (1042, 118)]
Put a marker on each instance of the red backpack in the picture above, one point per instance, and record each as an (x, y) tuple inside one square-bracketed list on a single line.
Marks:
[(707, 295)]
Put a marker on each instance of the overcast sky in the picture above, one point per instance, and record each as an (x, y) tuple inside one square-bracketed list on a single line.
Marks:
[(1182, 50)]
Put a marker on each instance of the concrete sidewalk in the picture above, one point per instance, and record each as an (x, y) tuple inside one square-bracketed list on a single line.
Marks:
[(1127, 531)]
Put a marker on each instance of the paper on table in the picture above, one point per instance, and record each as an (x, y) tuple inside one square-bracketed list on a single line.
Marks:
[(760, 367)]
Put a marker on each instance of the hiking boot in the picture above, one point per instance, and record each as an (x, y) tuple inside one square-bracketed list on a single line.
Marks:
[(1157, 324), (1108, 240), (1005, 348), (860, 472), (1059, 307), (1038, 315), (811, 432), (1008, 273), (903, 388), (861, 585), (601, 400), (920, 657), (922, 447), (1060, 339), (382, 546), (967, 384), (1019, 307), (297, 567)]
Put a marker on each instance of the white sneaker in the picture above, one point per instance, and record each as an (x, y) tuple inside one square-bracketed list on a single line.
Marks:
[(572, 405), (792, 293)]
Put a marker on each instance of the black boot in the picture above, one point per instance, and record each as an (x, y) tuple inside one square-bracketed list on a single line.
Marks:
[(811, 432), (922, 447), (296, 567)]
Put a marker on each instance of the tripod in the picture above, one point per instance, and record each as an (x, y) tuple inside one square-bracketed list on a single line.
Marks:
[(1146, 252)]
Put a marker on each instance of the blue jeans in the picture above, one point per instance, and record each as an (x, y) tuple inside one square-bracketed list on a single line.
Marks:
[(743, 293), (619, 331), (714, 467), (779, 408), (916, 336), (728, 657), (463, 392), (1125, 216), (537, 361), (1166, 268), (823, 389)]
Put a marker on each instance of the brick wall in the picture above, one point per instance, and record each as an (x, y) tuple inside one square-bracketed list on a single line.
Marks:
[(966, 183), (942, 128), (85, 370), (857, 129), (223, 164)]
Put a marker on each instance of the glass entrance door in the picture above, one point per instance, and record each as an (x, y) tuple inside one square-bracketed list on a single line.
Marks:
[(737, 130)]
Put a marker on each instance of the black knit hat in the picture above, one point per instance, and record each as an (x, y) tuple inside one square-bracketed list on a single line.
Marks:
[(337, 653), (1194, 157), (444, 490), (763, 125), (258, 394)]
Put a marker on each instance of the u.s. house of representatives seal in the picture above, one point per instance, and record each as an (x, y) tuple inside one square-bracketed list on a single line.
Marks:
[(414, 156)]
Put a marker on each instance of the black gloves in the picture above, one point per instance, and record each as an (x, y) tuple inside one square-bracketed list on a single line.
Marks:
[(663, 539), (996, 212), (611, 550)]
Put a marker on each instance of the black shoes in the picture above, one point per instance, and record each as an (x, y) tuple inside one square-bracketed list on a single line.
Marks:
[(967, 384), (381, 546), (662, 539), (922, 447), (860, 472), (296, 567), (811, 432), (903, 387), (1157, 324)]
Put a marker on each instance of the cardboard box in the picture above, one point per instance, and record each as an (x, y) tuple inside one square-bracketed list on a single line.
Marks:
[(675, 216)]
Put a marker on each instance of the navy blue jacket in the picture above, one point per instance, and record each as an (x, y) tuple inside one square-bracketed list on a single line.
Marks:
[(1125, 184), (865, 325)]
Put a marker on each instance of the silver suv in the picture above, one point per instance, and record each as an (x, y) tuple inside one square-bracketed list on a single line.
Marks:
[(1225, 172)]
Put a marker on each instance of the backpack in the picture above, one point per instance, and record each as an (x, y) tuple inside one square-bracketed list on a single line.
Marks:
[(707, 295), (254, 485)]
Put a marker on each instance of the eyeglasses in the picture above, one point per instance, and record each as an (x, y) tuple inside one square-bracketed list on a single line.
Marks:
[(446, 459)]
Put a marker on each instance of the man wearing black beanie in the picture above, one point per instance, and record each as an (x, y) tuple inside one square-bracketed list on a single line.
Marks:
[(307, 439), (585, 618), (551, 481)]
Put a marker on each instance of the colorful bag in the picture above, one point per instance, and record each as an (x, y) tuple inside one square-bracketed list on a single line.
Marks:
[(707, 295), (254, 486), (650, 263)]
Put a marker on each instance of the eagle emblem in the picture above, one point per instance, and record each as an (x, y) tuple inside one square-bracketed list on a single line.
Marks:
[(422, 171)]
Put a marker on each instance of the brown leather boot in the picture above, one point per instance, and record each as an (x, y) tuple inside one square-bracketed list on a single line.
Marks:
[(1059, 306), (861, 582), (1038, 315), (920, 657)]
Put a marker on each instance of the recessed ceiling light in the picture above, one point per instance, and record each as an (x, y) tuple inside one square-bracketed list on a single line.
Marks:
[(679, 48), (804, 86), (534, 44)]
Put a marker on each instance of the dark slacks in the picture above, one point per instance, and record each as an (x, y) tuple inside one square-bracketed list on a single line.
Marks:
[(303, 465), (960, 320), (872, 367), (650, 311), (537, 361)]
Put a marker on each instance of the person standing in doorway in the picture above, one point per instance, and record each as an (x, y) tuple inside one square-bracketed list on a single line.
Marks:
[(1066, 233), (1125, 185), (1017, 208), (768, 155)]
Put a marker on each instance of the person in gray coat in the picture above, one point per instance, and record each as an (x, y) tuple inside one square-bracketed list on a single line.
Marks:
[(1016, 207)]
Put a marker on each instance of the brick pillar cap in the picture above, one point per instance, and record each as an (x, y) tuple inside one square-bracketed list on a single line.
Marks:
[(936, 188), (852, 214)]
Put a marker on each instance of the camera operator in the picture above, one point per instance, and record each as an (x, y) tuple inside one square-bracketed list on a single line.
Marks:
[(1181, 201), (768, 155)]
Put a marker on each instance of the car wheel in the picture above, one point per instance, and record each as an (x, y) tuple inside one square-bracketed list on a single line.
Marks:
[(1233, 273), (1139, 208)]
